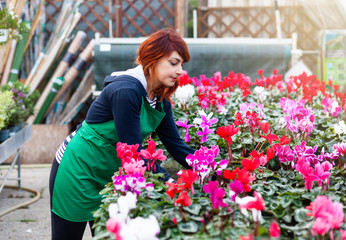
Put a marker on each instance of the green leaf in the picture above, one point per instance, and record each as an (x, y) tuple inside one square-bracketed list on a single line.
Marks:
[(300, 215), (155, 195), (193, 209), (188, 227), (285, 201)]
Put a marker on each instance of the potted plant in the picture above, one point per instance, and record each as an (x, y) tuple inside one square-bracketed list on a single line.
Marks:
[(10, 26), (23, 104), (6, 102)]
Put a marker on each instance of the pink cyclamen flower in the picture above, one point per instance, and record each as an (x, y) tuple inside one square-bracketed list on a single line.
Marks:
[(133, 166), (322, 171), (151, 154), (216, 194), (274, 229), (206, 122), (257, 204), (114, 226), (343, 234), (206, 131), (236, 188), (186, 126), (321, 226), (328, 214), (340, 147)]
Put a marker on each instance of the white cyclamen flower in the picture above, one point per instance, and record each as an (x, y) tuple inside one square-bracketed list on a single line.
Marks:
[(141, 228), (340, 128), (184, 93), (127, 202), (261, 93)]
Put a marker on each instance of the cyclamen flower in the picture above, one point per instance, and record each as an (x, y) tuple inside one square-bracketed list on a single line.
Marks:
[(284, 153), (328, 215), (274, 230), (151, 154), (238, 119), (183, 199), (331, 106), (251, 164), (183, 185), (187, 177), (240, 175), (184, 93), (186, 126), (206, 131), (216, 194), (203, 161), (307, 172), (198, 121), (133, 183), (341, 148), (134, 167), (236, 188), (226, 132), (261, 93), (118, 213), (127, 152), (271, 137), (255, 204), (340, 128)]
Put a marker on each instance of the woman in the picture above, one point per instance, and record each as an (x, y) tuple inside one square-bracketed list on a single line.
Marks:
[(133, 104)]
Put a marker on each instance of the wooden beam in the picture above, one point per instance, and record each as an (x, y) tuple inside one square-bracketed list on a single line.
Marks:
[(180, 17)]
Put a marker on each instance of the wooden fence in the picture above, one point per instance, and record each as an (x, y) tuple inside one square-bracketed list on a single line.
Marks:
[(123, 18), (259, 22)]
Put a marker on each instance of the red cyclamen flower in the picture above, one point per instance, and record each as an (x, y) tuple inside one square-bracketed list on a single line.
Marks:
[(226, 132), (271, 137)]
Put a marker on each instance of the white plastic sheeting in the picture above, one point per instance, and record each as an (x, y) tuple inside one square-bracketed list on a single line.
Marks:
[(327, 14)]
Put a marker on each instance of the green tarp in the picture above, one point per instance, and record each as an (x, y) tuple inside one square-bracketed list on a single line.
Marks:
[(207, 56)]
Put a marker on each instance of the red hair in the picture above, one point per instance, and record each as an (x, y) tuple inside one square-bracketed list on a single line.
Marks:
[(159, 45)]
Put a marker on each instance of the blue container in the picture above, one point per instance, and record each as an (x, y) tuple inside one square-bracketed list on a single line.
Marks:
[(4, 134)]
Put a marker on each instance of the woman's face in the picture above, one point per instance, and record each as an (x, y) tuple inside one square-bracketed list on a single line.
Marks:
[(168, 70)]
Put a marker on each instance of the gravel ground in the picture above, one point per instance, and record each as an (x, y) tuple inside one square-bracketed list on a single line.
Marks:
[(33, 221)]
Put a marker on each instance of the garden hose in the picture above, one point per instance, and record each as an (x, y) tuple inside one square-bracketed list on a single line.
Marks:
[(27, 203)]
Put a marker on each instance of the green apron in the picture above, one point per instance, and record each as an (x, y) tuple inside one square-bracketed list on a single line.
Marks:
[(88, 164)]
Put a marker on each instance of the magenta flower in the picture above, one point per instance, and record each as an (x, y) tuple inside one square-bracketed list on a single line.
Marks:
[(322, 171), (307, 172), (203, 161), (206, 131), (236, 188), (133, 183), (206, 122), (216, 194), (186, 126), (222, 165), (284, 153)]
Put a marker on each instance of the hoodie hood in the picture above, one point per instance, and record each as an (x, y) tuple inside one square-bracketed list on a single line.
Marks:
[(136, 72)]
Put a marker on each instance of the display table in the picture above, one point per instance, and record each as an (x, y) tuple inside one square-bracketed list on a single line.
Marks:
[(11, 146)]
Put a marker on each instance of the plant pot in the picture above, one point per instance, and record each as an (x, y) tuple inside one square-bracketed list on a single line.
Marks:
[(4, 134), (13, 129)]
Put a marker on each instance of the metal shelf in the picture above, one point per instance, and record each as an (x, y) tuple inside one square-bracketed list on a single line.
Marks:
[(11, 146)]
